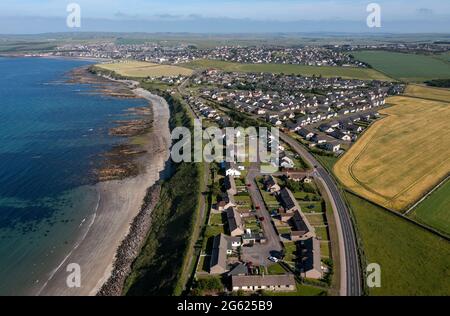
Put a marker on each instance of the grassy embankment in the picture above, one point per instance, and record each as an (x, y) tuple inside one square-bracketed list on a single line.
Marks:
[(344, 72), (413, 261), (158, 270), (406, 67)]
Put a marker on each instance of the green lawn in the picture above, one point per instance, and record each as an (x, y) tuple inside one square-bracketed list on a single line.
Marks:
[(325, 249), (322, 233), (406, 67), (316, 219), (413, 261), (216, 219), (276, 269), (291, 249), (311, 207), (302, 290), (344, 72), (326, 161), (435, 210)]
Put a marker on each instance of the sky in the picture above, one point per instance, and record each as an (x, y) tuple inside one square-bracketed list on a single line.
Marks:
[(225, 16)]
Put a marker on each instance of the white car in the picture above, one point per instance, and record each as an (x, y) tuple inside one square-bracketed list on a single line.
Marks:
[(273, 259)]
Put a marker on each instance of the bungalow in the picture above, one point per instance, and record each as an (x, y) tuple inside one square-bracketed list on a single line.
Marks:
[(310, 259), (341, 136), (271, 185), (319, 139), (223, 246), (332, 146), (226, 201), (306, 134), (234, 222), (287, 163), (288, 200), (253, 283), (251, 238), (230, 185), (326, 128), (301, 228)]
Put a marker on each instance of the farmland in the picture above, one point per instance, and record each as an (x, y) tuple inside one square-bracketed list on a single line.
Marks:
[(406, 67), (435, 210), (413, 261), (344, 72), (437, 94), (138, 69), (401, 157)]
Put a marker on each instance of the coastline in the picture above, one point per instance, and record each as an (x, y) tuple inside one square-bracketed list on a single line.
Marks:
[(121, 218)]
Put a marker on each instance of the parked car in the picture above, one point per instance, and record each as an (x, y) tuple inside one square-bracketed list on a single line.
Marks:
[(273, 259)]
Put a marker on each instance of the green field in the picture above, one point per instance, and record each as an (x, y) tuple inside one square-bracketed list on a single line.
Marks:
[(413, 261), (406, 67), (435, 210), (344, 72)]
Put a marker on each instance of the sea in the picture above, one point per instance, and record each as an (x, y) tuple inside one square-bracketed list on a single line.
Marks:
[(53, 134)]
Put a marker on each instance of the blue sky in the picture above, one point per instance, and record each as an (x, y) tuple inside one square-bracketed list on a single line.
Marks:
[(250, 15)]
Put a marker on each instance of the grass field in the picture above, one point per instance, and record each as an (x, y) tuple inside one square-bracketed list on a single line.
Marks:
[(406, 67), (413, 261), (401, 157), (344, 72), (435, 210), (138, 69), (437, 94)]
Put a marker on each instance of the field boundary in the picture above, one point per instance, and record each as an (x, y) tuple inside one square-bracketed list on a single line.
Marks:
[(412, 208)]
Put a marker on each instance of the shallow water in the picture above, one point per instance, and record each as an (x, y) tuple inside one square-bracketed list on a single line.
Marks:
[(52, 135)]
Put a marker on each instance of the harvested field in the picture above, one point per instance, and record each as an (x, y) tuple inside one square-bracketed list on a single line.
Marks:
[(138, 69), (401, 157)]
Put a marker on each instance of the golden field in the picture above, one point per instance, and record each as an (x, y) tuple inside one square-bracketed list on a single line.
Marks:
[(418, 91), (139, 69), (401, 157)]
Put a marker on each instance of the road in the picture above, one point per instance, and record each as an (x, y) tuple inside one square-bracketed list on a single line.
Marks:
[(260, 253), (351, 274)]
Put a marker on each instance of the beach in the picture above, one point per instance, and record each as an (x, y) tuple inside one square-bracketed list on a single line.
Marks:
[(118, 204)]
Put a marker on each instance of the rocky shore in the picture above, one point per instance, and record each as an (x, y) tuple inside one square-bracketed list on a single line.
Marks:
[(131, 245)]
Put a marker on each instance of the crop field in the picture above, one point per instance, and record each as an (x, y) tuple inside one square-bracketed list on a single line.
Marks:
[(138, 69), (344, 72), (435, 210), (401, 157), (437, 94), (413, 260), (406, 67)]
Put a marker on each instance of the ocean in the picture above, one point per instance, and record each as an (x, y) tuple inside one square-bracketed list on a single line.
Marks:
[(52, 136)]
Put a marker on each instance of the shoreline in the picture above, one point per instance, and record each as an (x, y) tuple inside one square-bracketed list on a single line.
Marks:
[(122, 216)]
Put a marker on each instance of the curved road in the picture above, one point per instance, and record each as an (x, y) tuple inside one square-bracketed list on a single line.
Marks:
[(351, 275)]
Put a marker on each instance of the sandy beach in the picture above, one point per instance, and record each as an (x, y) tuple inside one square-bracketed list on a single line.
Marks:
[(119, 202)]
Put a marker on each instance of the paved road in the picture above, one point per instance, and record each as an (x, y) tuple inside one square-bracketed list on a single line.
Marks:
[(351, 275), (261, 252)]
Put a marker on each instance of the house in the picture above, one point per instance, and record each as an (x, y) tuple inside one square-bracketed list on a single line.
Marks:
[(223, 246), (226, 201), (341, 136), (287, 163), (271, 185), (301, 228), (230, 185), (239, 269), (326, 128), (288, 201), (234, 222), (310, 259), (332, 146), (306, 134), (250, 238), (253, 283), (319, 139), (231, 169)]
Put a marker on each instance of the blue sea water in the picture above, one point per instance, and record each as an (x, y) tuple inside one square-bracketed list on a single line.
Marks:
[(52, 135)]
